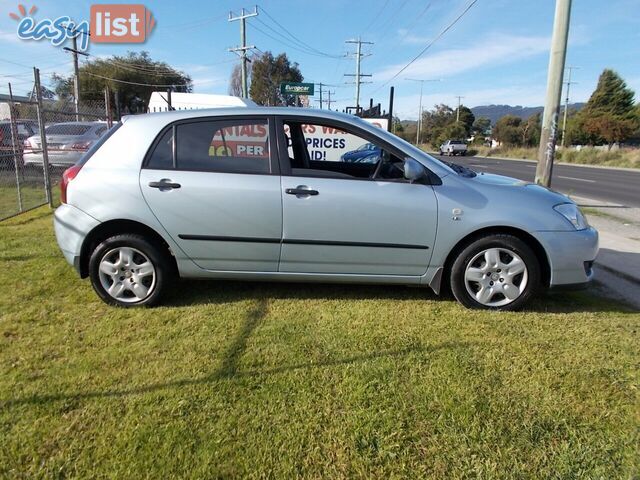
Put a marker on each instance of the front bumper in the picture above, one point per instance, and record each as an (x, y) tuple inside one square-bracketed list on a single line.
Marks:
[(71, 227), (570, 255)]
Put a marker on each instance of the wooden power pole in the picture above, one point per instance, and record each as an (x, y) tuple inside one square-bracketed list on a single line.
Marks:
[(549, 135)]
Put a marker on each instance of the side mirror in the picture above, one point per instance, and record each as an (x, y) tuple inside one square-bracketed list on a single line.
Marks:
[(413, 170)]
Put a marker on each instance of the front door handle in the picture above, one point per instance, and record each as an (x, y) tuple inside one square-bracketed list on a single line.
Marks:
[(164, 183), (301, 190)]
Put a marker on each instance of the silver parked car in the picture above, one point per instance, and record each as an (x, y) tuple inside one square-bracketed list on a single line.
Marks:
[(261, 194), (66, 142)]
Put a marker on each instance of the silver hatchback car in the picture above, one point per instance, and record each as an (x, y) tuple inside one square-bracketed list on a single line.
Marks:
[(262, 194)]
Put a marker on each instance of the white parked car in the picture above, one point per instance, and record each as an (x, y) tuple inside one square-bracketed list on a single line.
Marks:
[(453, 147)]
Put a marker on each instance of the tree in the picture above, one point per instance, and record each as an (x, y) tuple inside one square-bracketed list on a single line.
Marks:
[(267, 74), (611, 96), (609, 116), (508, 130), (531, 130), (467, 118), (481, 126), (610, 128), (235, 81), (434, 122), (133, 77)]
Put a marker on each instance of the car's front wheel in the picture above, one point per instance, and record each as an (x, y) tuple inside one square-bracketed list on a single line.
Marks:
[(127, 270), (497, 271)]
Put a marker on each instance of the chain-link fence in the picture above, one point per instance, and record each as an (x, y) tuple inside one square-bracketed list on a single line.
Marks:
[(31, 164)]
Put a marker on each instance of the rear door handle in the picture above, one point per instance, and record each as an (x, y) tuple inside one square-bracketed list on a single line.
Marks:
[(301, 190), (164, 183)]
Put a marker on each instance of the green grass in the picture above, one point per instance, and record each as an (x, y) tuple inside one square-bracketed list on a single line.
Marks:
[(282, 381), (32, 196)]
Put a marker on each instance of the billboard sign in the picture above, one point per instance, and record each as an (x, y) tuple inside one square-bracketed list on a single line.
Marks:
[(295, 88)]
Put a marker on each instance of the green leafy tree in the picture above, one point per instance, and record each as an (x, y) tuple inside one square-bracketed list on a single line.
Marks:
[(508, 130), (466, 120), (434, 122), (396, 126), (481, 126), (531, 130), (267, 73), (609, 116), (454, 131), (132, 78)]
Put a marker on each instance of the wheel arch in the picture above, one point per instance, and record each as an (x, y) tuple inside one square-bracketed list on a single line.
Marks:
[(114, 227), (530, 240)]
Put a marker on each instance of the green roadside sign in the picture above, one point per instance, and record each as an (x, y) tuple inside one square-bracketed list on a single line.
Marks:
[(295, 88)]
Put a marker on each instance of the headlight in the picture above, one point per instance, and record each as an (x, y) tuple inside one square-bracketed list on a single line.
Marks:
[(571, 212)]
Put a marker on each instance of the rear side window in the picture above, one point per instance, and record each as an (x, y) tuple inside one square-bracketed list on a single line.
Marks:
[(228, 146), (162, 156)]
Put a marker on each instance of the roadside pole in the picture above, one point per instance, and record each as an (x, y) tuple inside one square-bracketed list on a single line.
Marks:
[(107, 106), (43, 137), (568, 83), (358, 75), (14, 143), (243, 48), (419, 125), (459, 97), (390, 126), (549, 135), (76, 78)]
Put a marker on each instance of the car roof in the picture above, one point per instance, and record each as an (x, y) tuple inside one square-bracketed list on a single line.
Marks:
[(311, 113)]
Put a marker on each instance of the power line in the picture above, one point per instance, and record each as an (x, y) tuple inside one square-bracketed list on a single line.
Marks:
[(283, 40), (141, 84), (430, 44), (376, 17), (297, 39)]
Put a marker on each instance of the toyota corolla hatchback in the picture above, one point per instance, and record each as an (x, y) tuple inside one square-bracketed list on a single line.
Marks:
[(263, 194)]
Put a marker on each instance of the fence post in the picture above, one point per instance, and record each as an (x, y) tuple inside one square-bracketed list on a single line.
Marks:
[(14, 138), (107, 106), (43, 137)]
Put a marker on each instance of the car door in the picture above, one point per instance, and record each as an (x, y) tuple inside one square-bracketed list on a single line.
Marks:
[(214, 186), (336, 220)]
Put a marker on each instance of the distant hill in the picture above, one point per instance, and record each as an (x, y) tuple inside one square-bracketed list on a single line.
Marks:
[(495, 112)]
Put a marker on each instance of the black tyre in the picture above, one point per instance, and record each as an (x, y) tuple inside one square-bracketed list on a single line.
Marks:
[(498, 272), (127, 270)]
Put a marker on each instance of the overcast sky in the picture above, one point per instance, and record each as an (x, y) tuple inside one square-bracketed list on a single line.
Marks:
[(497, 53)]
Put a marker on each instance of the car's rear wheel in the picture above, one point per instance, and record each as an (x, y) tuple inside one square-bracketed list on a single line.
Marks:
[(497, 271), (127, 270)]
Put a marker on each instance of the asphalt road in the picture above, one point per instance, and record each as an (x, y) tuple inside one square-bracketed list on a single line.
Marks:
[(606, 184)]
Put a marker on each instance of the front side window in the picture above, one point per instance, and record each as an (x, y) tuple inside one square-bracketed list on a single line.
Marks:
[(228, 146), (324, 150)]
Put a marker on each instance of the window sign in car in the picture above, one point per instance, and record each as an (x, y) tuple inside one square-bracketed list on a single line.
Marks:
[(238, 146), (326, 143), (241, 141)]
